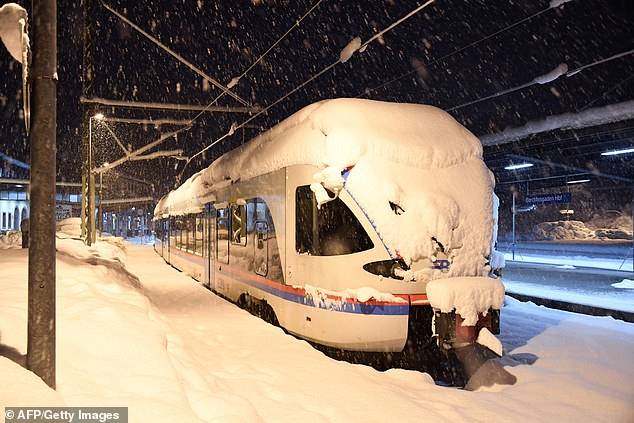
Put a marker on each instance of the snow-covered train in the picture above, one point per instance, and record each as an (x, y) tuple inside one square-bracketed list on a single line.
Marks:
[(354, 224)]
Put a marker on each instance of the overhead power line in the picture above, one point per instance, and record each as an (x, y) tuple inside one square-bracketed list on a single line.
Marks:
[(342, 58), (544, 79), (599, 62), (235, 80), (552, 5), (177, 56)]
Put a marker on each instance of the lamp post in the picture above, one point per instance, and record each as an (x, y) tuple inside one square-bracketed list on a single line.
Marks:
[(91, 235)]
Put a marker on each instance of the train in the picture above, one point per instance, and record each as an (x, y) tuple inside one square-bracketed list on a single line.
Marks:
[(332, 223)]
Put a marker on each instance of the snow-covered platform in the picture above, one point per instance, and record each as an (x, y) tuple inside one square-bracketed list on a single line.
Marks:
[(606, 254), (606, 289), (135, 332)]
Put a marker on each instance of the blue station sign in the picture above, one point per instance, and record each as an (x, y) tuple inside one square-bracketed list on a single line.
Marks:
[(554, 198)]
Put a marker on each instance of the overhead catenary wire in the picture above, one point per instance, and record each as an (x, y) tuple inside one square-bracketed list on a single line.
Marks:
[(180, 58), (234, 127), (535, 81), (599, 62), (295, 25), (461, 49), (235, 80)]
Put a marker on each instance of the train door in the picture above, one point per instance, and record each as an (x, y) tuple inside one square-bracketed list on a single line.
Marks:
[(223, 228), (210, 242)]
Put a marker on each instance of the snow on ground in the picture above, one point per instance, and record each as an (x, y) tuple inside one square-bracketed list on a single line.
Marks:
[(614, 300), (624, 264), (624, 284), (148, 337)]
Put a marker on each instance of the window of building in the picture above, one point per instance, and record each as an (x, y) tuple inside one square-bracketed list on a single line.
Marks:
[(4, 220), (238, 224), (328, 231)]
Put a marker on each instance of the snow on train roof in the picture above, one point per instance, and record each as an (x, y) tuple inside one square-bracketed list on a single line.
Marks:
[(335, 133)]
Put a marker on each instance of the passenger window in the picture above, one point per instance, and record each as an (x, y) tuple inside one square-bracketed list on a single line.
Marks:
[(222, 234), (328, 231), (200, 224), (238, 224)]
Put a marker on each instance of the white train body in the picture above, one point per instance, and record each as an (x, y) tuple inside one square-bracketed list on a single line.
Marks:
[(337, 218)]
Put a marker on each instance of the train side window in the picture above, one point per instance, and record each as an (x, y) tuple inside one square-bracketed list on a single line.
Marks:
[(191, 233), (200, 230), (330, 230), (222, 235), (238, 224)]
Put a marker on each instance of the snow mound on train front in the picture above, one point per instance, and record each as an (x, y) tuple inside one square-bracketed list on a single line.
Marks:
[(468, 296)]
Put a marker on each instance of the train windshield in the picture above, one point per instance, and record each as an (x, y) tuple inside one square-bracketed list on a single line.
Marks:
[(329, 230)]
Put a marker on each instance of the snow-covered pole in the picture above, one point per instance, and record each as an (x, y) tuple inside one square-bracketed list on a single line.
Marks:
[(40, 355)]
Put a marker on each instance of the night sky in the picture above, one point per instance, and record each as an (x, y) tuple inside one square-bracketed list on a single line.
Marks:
[(225, 37)]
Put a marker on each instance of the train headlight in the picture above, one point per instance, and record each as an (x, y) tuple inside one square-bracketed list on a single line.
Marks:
[(386, 268)]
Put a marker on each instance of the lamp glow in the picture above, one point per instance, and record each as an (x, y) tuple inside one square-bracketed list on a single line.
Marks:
[(518, 166), (98, 116), (617, 152)]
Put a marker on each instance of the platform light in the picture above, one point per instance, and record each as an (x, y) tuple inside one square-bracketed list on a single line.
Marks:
[(579, 181), (567, 211), (98, 116), (617, 152), (518, 166)]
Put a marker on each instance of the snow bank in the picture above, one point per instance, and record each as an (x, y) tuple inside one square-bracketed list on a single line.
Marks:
[(413, 155), (12, 239), (22, 388), (11, 28), (100, 251), (70, 226), (577, 230), (468, 296), (185, 355)]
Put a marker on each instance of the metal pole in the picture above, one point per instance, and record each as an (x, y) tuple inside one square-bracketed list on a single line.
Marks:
[(91, 188), (101, 202), (84, 199), (92, 216), (40, 355), (513, 240), (88, 72)]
